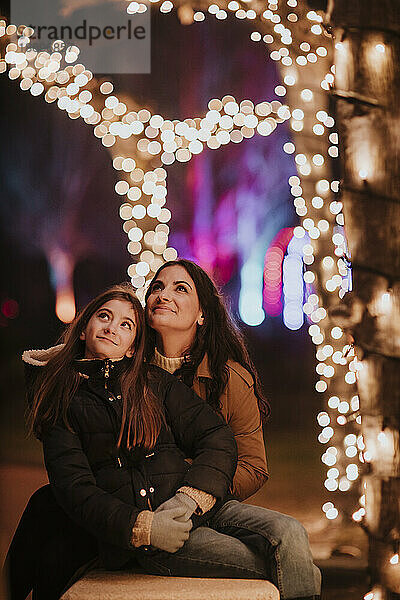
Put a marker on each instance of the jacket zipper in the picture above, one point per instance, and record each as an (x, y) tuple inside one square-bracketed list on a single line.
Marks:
[(106, 371), (106, 377), (107, 366)]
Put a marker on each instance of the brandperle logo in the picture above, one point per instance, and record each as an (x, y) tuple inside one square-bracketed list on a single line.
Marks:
[(110, 41), (88, 32)]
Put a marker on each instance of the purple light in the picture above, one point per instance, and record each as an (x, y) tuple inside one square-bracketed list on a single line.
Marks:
[(273, 272)]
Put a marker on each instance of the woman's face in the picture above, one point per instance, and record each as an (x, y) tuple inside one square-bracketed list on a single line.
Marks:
[(111, 331), (173, 304)]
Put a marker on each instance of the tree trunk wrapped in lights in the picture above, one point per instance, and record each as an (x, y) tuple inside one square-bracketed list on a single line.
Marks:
[(367, 58)]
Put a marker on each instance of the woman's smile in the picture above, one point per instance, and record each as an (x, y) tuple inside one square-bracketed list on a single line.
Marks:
[(162, 307)]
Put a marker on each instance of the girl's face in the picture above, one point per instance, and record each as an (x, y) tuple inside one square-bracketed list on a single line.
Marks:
[(173, 303), (111, 331)]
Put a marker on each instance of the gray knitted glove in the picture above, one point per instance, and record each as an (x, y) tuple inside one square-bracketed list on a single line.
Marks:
[(167, 533), (180, 499)]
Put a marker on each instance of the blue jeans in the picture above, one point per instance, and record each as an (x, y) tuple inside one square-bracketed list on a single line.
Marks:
[(249, 542)]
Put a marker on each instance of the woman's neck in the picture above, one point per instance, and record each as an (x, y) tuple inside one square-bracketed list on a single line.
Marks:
[(173, 346)]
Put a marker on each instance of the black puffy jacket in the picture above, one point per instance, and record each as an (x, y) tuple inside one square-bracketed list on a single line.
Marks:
[(102, 488)]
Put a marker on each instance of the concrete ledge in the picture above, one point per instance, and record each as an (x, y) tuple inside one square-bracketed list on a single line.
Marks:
[(121, 585)]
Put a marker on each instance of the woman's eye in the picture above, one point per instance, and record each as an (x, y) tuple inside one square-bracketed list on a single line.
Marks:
[(181, 288), (103, 315), (155, 287), (126, 324)]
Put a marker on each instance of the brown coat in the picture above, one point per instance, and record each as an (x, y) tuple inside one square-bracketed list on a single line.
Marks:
[(240, 409)]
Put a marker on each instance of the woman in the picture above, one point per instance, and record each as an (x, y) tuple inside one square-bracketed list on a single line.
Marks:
[(115, 435), (193, 336)]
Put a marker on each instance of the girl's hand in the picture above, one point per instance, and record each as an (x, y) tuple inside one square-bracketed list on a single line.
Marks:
[(180, 500), (167, 533)]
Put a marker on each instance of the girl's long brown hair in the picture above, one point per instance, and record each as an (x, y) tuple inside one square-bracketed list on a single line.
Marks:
[(219, 338), (142, 414)]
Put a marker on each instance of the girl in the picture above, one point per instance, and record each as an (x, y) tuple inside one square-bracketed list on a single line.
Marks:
[(115, 435)]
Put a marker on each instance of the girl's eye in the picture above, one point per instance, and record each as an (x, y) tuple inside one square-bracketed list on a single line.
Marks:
[(126, 324), (103, 315), (181, 288)]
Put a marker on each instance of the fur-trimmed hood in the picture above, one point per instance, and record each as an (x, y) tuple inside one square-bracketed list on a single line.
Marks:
[(33, 360), (106, 371), (40, 358)]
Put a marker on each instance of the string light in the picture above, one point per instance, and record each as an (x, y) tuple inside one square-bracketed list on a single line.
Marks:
[(375, 594)]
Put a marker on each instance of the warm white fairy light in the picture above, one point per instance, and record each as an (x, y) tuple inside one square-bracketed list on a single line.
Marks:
[(330, 510)]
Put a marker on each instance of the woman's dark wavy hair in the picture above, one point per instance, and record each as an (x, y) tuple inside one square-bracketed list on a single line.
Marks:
[(218, 337), (142, 414)]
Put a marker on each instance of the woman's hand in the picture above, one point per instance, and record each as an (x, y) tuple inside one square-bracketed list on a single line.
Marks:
[(179, 500), (167, 532)]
